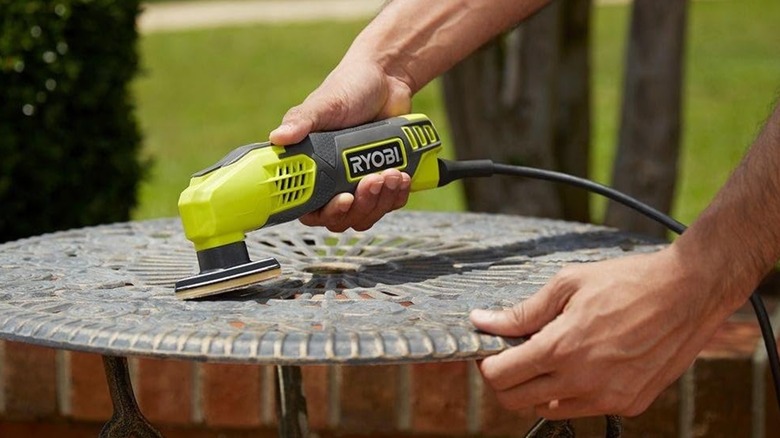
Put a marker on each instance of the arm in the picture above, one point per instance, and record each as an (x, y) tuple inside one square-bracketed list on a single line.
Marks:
[(737, 238), (608, 337), (415, 41), (408, 44)]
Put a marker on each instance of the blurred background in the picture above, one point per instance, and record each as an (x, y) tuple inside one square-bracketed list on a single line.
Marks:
[(203, 92)]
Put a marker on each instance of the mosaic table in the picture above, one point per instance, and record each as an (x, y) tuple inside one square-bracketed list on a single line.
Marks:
[(400, 292)]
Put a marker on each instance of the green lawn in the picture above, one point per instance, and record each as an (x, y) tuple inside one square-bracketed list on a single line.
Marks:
[(732, 80), (205, 92)]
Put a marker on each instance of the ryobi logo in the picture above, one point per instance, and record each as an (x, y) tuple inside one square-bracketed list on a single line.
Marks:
[(374, 158)]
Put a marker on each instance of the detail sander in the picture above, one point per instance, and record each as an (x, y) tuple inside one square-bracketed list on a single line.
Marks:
[(263, 184)]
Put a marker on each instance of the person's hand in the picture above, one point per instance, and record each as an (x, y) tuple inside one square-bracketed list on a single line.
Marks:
[(376, 195), (608, 337), (357, 91)]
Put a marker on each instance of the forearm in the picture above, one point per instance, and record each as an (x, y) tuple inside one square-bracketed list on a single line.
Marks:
[(415, 40), (736, 241)]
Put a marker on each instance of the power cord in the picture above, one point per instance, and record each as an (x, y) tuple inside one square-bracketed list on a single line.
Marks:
[(453, 170)]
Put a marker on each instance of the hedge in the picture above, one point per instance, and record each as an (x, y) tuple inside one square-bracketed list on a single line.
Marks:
[(69, 141)]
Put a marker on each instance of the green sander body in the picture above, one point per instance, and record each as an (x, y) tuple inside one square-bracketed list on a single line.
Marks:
[(263, 184)]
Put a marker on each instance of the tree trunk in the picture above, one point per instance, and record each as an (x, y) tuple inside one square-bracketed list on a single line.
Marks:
[(646, 162), (572, 136), (524, 99)]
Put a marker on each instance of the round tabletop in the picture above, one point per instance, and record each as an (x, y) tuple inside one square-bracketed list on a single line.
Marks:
[(400, 292)]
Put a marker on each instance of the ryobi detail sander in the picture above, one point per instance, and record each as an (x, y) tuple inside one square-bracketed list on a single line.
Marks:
[(263, 184)]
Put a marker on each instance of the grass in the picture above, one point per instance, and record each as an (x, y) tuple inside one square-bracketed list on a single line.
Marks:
[(205, 92), (732, 79)]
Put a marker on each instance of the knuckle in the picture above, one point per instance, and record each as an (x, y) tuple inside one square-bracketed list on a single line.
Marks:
[(313, 218), (632, 411), (308, 221), (293, 114), (566, 277), (562, 285), (487, 372), (637, 407), (490, 375), (336, 227), (568, 353), (362, 226), (517, 314), (401, 199)]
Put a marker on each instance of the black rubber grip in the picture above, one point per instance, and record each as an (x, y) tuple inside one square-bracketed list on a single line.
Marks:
[(340, 172)]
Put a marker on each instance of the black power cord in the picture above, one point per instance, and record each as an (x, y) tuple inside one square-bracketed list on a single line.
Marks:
[(453, 170)]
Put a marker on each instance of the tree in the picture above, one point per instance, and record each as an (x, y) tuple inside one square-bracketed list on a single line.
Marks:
[(649, 141), (525, 99)]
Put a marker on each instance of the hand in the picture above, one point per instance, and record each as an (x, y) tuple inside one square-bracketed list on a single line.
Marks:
[(610, 336), (357, 91), (376, 195)]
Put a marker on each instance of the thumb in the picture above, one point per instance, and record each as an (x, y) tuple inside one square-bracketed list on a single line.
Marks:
[(296, 125), (523, 318)]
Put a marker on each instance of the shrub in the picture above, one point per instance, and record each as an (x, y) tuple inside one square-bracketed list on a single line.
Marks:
[(69, 142)]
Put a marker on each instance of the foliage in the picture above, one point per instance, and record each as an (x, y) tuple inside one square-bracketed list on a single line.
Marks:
[(68, 138)]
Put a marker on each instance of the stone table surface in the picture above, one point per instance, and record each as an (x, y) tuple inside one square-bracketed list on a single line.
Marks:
[(400, 292)]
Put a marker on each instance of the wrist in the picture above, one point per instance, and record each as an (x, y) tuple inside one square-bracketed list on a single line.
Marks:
[(415, 41), (382, 50), (726, 276)]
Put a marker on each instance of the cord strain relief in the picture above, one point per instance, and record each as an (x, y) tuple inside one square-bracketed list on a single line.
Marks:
[(450, 170)]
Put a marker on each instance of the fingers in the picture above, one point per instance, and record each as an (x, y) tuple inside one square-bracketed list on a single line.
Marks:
[(367, 198), (553, 395), (402, 195), (590, 406), (375, 196), (324, 109), (611, 340), (564, 409), (331, 214), (526, 317), (382, 198), (348, 96), (534, 393), (515, 366), (296, 125), (539, 371), (538, 356)]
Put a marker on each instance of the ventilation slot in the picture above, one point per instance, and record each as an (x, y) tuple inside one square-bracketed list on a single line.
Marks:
[(420, 135), (431, 133), (411, 137), (292, 183)]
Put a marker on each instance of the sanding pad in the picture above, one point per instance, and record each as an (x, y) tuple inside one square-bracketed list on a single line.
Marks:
[(225, 280)]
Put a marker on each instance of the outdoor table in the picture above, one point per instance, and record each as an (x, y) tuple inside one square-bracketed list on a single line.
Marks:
[(398, 293)]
